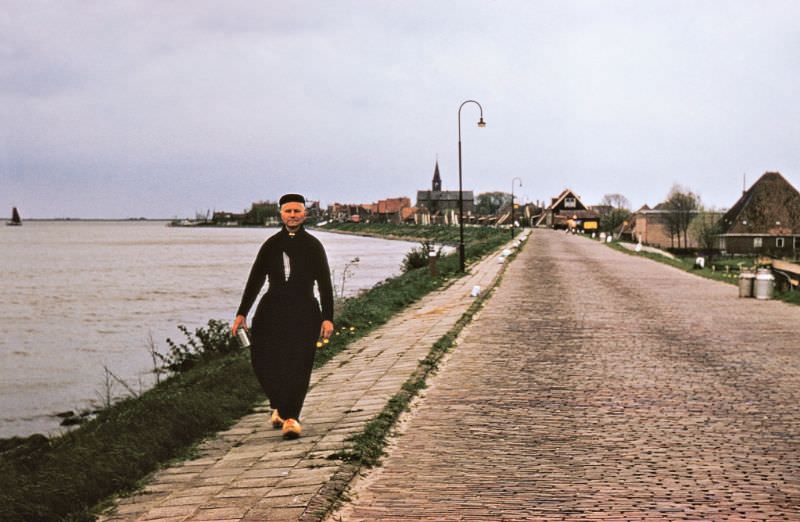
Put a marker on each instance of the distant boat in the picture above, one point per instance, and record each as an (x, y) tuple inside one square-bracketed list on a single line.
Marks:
[(15, 219)]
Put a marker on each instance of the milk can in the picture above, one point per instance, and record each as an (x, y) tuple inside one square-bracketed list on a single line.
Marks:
[(746, 284), (764, 285)]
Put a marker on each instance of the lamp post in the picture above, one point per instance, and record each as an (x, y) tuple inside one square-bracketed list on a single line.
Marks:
[(512, 203), (481, 123)]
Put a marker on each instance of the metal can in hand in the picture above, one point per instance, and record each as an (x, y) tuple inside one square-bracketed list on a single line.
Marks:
[(243, 337)]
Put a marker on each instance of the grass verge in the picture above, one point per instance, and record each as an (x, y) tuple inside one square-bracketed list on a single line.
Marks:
[(442, 234), (687, 265), (69, 477)]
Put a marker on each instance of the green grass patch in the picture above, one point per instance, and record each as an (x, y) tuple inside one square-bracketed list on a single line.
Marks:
[(716, 269), (685, 264), (792, 297), (70, 476), (442, 234), (62, 478)]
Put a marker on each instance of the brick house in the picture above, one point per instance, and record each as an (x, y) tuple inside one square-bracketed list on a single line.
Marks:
[(765, 220), (393, 210), (650, 226), (349, 211)]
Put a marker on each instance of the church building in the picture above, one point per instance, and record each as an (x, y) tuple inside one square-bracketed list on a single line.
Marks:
[(440, 204)]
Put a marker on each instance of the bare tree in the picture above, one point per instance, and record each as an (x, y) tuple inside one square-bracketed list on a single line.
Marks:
[(706, 227), (619, 211), (682, 205), (616, 201)]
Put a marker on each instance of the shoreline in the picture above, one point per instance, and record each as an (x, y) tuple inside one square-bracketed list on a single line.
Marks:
[(110, 220), (377, 235)]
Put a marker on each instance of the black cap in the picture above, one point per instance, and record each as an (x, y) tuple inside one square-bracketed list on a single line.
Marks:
[(292, 198)]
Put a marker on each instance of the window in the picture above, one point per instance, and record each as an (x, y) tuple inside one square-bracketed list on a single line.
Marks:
[(569, 203), (779, 242), (757, 242), (722, 245)]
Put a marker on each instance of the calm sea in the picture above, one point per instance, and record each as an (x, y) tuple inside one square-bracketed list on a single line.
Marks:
[(78, 296)]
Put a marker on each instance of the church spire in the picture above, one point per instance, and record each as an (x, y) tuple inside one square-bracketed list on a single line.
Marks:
[(437, 180)]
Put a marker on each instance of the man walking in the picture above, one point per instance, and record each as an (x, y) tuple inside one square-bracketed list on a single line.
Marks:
[(288, 320)]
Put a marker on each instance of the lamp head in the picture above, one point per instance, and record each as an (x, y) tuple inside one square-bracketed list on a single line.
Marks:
[(481, 123)]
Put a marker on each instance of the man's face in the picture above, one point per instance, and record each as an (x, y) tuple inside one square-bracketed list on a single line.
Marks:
[(293, 214)]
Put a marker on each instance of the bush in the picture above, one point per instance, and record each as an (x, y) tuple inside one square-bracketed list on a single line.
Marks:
[(206, 343), (418, 257)]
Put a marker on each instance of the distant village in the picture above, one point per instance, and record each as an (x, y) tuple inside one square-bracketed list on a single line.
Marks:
[(765, 220)]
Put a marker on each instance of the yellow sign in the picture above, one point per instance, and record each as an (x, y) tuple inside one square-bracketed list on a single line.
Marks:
[(590, 225)]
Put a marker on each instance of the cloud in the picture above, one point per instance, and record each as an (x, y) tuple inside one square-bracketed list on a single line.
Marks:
[(215, 105)]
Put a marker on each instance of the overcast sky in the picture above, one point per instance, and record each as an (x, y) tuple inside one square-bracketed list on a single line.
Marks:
[(160, 108)]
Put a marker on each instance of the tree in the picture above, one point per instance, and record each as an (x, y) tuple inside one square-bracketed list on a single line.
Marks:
[(490, 203), (616, 210), (706, 226), (617, 201), (682, 205), (261, 212)]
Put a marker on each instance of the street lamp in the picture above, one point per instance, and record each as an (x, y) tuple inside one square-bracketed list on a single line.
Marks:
[(512, 203), (481, 123)]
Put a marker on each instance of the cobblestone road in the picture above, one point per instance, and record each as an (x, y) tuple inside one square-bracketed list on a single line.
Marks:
[(596, 385)]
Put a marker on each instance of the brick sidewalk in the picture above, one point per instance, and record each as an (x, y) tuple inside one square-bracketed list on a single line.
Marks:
[(595, 385), (249, 473)]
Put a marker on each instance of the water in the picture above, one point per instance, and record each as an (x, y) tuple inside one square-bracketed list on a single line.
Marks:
[(76, 297)]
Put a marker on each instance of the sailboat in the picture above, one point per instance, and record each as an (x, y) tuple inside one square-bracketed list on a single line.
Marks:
[(15, 219)]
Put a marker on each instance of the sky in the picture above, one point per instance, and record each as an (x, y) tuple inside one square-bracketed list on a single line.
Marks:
[(161, 109)]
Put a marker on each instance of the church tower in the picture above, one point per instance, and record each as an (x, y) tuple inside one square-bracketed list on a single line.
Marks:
[(437, 180)]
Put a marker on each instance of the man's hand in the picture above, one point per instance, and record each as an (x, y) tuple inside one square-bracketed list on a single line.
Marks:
[(240, 321), (326, 330)]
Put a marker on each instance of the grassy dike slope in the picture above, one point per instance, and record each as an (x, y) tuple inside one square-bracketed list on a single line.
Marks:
[(688, 265), (69, 477)]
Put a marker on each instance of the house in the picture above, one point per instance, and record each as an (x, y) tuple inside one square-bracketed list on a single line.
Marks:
[(228, 218), (651, 226), (355, 212), (765, 220), (392, 210), (441, 206), (408, 215), (567, 211), (531, 212), (260, 213), (448, 216), (313, 211), (625, 231)]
